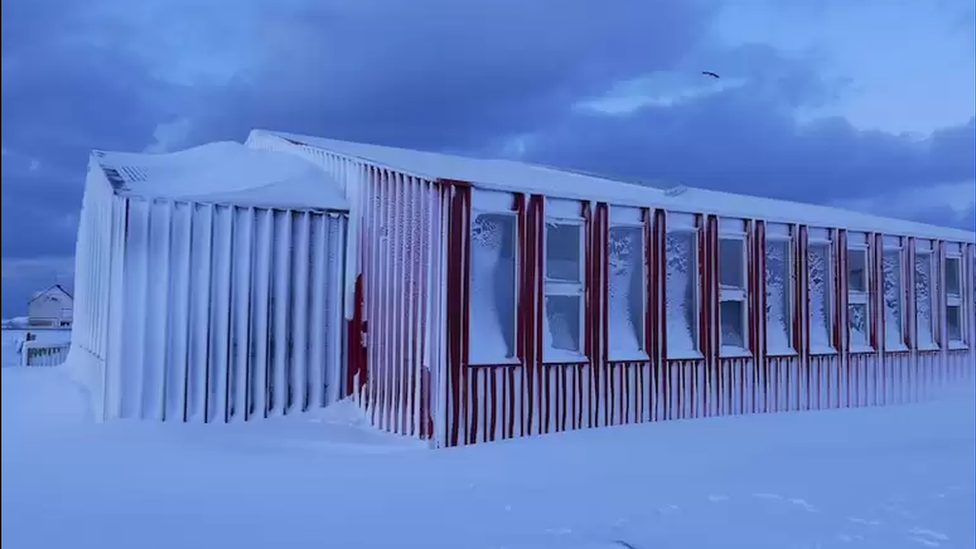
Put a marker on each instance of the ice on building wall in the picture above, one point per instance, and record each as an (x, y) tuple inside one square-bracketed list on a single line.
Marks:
[(923, 299), (778, 313), (680, 292), (626, 291), (891, 291), (819, 288), (492, 288)]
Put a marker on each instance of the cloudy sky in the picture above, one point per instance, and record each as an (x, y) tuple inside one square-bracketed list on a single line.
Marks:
[(865, 103)]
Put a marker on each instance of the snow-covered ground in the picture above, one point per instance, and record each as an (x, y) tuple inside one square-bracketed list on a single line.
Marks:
[(897, 477)]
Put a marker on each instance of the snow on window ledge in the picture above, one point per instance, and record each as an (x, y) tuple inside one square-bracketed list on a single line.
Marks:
[(861, 349), (822, 350), (488, 361), (731, 351), (560, 356), (958, 346), (896, 348), (780, 352), (928, 347), (631, 355), (685, 354)]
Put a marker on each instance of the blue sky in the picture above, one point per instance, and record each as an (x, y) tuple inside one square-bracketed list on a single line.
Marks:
[(869, 104)]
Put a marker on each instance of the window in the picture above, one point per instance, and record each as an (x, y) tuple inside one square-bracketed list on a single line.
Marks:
[(626, 281), (858, 288), (924, 319), (733, 308), (954, 301), (891, 280), (819, 288), (779, 301), (563, 303), (681, 293), (493, 291)]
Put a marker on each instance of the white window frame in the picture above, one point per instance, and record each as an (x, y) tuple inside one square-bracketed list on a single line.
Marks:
[(562, 288), (686, 225), (922, 250), (621, 222), (788, 239), (494, 203), (894, 244), (735, 294), (956, 300), (826, 241), (860, 297)]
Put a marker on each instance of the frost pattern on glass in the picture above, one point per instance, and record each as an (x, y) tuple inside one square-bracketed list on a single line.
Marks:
[(680, 293), (492, 288), (857, 315), (819, 287), (891, 282), (923, 299), (626, 291), (563, 325), (778, 311)]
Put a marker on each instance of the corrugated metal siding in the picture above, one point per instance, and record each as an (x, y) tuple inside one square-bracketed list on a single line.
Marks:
[(534, 397), (478, 403), (224, 313)]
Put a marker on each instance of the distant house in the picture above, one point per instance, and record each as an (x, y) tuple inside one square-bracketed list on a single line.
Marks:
[(53, 307)]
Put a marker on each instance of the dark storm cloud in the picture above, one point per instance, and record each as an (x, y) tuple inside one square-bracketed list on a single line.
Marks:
[(740, 141), (441, 73)]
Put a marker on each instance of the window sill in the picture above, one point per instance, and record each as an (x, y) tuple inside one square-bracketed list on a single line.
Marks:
[(734, 352), (627, 356), (958, 346), (781, 353), (861, 350), (823, 351), (557, 356), (928, 347), (896, 349), (685, 355), (481, 363)]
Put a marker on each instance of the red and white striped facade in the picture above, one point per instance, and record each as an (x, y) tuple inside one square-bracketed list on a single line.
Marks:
[(409, 312)]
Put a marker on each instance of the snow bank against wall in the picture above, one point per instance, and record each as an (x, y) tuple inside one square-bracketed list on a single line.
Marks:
[(208, 285)]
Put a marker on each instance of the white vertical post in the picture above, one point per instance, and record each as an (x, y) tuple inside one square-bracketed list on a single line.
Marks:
[(243, 274), (282, 250), (299, 312), (203, 262), (262, 268), (319, 325)]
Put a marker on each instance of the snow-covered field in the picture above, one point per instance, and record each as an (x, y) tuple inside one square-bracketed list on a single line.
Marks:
[(872, 478)]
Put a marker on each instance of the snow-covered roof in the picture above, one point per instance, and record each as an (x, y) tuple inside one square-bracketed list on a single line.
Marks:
[(516, 176), (54, 288), (224, 172)]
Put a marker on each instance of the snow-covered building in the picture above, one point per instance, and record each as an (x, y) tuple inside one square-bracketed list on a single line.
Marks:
[(492, 299), (50, 308), (208, 284)]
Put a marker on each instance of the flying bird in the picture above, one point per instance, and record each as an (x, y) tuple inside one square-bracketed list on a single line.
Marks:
[(710, 73)]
